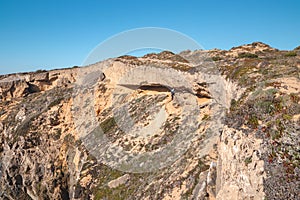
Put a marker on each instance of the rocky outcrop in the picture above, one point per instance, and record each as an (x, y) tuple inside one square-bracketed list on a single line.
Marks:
[(20, 85), (240, 166)]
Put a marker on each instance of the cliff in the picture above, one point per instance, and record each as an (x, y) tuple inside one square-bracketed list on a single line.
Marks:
[(112, 130)]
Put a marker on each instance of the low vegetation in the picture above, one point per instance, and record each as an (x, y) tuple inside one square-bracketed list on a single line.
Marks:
[(291, 54), (247, 55)]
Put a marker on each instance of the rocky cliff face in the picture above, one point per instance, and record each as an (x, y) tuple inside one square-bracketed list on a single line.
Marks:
[(112, 130)]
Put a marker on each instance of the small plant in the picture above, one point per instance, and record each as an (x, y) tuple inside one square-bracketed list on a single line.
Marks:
[(233, 104), (287, 117), (40, 71), (248, 160), (206, 117), (253, 121), (247, 55), (276, 135), (216, 58), (291, 54)]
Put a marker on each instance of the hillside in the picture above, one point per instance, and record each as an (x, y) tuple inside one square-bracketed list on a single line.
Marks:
[(112, 130)]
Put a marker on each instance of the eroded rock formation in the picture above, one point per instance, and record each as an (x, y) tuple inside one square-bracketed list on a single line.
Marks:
[(112, 131)]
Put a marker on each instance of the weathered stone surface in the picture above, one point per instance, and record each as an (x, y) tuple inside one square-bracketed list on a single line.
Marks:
[(119, 181), (241, 170)]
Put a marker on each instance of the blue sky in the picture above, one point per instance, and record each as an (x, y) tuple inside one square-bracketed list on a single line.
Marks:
[(47, 34)]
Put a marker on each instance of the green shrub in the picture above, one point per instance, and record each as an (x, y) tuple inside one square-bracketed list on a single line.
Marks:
[(40, 71), (206, 117), (291, 54), (247, 55), (248, 160), (216, 58), (253, 121)]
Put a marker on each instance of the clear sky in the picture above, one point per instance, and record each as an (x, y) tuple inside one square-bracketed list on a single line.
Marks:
[(47, 34)]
